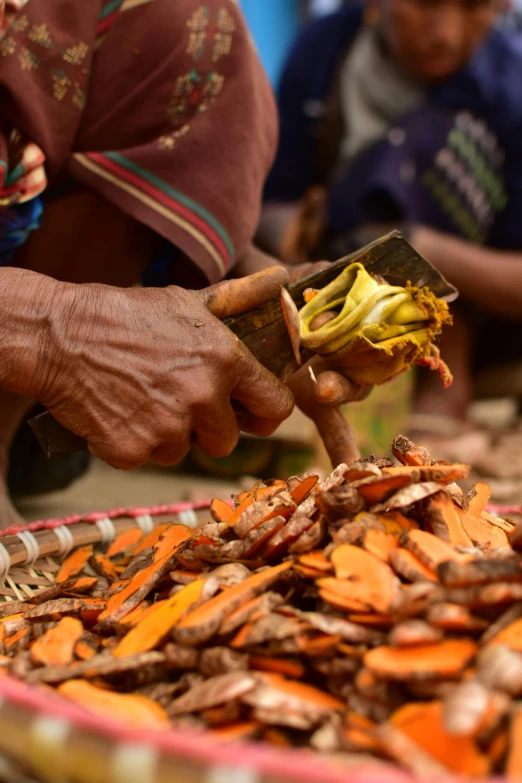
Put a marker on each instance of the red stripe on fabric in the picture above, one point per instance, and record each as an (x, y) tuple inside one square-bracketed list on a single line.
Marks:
[(106, 23), (162, 198)]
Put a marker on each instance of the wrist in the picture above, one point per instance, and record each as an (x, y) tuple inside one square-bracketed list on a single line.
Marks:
[(30, 307)]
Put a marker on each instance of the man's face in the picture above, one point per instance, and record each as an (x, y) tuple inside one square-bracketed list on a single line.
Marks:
[(432, 39)]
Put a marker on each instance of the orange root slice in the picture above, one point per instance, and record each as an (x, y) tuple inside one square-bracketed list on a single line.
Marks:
[(57, 645), (443, 659), (203, 622), (478, 498), (370, 581), (444, 520), (74, 564), (131, 710), (422, 723), (155, 626), (407, 565)]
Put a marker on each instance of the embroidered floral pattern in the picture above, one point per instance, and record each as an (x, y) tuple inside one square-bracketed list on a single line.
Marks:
[(195, 90), (23, 173)]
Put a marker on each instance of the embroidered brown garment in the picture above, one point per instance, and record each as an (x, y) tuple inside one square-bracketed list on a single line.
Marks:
[(163, 107)]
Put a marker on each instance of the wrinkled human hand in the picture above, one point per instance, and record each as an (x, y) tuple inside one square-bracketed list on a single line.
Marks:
[(146, 373)]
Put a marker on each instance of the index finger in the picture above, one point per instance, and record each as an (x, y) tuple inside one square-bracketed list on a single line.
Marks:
[(232, 297)]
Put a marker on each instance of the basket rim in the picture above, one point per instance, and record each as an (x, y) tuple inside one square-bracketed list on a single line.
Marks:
[(131, 512), (290, 764), (256, 760)]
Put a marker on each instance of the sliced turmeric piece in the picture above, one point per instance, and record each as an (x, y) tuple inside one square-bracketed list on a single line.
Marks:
[(319, 647), (262, 511), (482, 532), (292, 694), (157, 624), (236, 731), (101, 565), (214, 691), (443, 659), (151, 539), (131, 710), (18, 640), (85, 648), (408, 453), (301, 491), (240, 639), (380, 544), (280, 542), (478, 498), (287, 668), (431, 551), (255, 494), (340, 595), (409, 633), (497, 749), (372, 620), (441, 473), (74, 564), (479, 572), (259, 605), (137, 614), (360, 741), (396, 523), (453, 617), (444, 520), (422, 723), (407, 565), (511, 636), (203, 622), (220, 511), (124, 542), (371, 581), (316, 560), (514, 760), (375, 489), (122, 602), (259, 490), (53, 610), (57, 645)]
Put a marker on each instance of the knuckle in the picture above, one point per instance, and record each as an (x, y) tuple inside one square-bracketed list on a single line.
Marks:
[(222, 447), (124, 459), (170, 453)]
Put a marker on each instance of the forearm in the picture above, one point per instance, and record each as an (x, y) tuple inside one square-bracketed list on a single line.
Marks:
[(274, 221), (28, 310), (489, 278)]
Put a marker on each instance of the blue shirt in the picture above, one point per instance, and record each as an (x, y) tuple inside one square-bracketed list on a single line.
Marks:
[(489, 87)]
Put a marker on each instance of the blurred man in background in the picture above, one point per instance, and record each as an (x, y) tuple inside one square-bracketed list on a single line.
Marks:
[(408, 113)]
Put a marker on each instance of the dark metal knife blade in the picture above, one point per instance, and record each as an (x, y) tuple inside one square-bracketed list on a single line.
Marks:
[(264, 330)]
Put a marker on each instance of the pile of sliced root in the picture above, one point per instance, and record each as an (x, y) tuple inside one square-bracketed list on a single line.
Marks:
[(374, 617)]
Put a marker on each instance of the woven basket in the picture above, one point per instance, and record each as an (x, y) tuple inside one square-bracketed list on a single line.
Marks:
[(45, 739)]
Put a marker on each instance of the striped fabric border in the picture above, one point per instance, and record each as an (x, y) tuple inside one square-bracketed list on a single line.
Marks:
[(110, 11), (166, 201)]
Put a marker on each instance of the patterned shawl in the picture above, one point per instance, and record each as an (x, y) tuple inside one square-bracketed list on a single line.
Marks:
[(161, 106)]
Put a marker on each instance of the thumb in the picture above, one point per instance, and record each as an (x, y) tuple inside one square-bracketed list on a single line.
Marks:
[(232, 297)]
